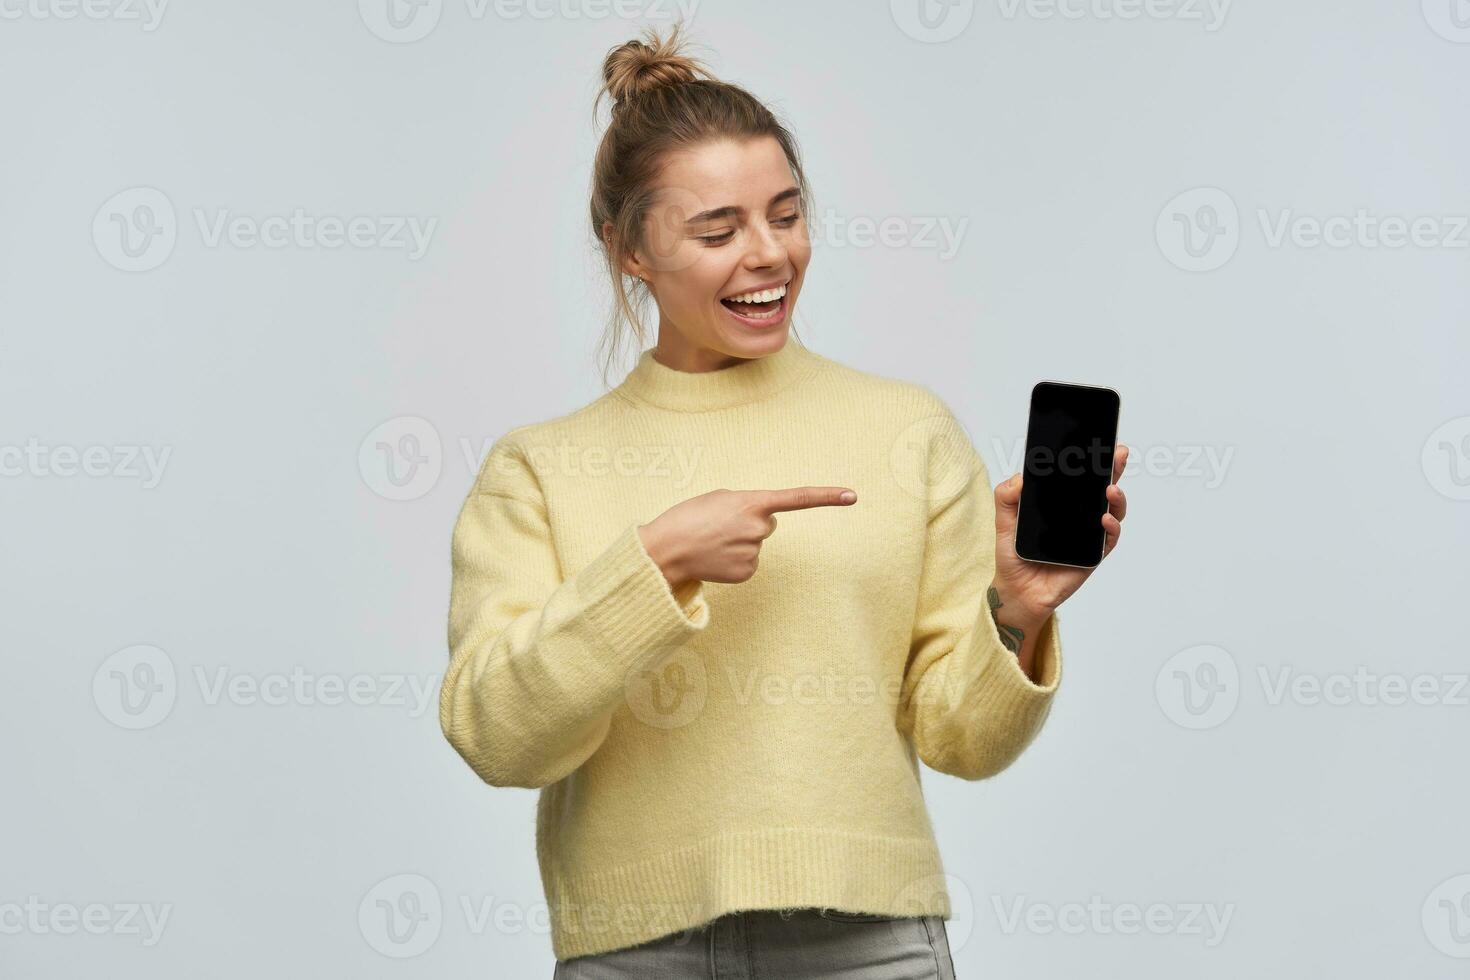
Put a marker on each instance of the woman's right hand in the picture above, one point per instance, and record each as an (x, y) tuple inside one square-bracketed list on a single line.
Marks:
[(716, 537)]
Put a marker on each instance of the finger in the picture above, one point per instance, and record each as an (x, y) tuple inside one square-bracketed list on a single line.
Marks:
[(1008, 492), (1117, 501), (1112, 530), (1120, 460), (801, 498)]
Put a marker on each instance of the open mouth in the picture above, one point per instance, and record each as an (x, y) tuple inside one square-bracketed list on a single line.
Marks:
[(762, 308)]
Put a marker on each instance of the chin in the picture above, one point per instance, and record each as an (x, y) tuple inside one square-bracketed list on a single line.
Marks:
[(740, 344)]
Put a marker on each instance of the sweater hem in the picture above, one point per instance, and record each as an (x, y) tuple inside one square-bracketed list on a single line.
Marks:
[(773, 868)]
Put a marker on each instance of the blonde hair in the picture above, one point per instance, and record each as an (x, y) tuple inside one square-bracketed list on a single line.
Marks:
[(662, 100)]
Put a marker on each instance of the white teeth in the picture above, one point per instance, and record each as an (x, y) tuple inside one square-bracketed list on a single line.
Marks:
[(764, 296)]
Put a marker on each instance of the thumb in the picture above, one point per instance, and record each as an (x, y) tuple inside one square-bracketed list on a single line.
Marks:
[(1008, 495)]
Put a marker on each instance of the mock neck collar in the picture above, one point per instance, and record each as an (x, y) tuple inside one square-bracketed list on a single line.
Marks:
[(702, 391)]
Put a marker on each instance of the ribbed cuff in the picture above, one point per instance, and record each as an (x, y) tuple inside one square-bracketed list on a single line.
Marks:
[(1023, 698), (1048, 656), (628, 600)]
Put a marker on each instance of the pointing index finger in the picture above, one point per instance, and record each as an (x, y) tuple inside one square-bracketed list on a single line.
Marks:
[(802, 498)]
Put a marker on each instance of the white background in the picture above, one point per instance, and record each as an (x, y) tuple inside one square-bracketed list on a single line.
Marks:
[(1326, 382)]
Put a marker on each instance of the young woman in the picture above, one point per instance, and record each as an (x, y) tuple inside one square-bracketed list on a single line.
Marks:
[(724, 715)]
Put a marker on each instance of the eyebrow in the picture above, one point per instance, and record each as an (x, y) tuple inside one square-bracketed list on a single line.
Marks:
[(730, 210)]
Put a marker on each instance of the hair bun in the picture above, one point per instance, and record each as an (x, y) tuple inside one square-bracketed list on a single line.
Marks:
[(636, 67)]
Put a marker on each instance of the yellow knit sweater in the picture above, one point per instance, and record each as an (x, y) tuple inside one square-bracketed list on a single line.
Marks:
[(743, 745)]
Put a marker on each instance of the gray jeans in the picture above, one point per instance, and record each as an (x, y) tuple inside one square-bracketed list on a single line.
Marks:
[(800, 944)]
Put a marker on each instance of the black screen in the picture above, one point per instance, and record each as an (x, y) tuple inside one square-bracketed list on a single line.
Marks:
[(1066, 472)]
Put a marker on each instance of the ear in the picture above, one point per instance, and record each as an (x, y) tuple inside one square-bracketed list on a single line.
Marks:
[(633, 267), (630, 263)]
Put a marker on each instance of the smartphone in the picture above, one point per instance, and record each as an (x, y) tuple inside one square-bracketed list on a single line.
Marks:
[(1070, 436)]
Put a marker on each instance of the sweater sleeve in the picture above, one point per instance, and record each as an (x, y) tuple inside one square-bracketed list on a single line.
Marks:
[(539, 664), (965, 702)]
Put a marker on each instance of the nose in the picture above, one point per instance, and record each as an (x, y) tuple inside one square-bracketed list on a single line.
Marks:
[(766, 249)]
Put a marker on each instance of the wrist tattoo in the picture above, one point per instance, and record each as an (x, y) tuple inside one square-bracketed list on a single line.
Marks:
[(1010, 636)]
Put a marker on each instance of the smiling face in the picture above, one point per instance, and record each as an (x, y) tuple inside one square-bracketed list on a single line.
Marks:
[(725, 222)]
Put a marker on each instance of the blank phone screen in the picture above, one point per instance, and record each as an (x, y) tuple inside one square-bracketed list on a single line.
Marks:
[(1065, 475)]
